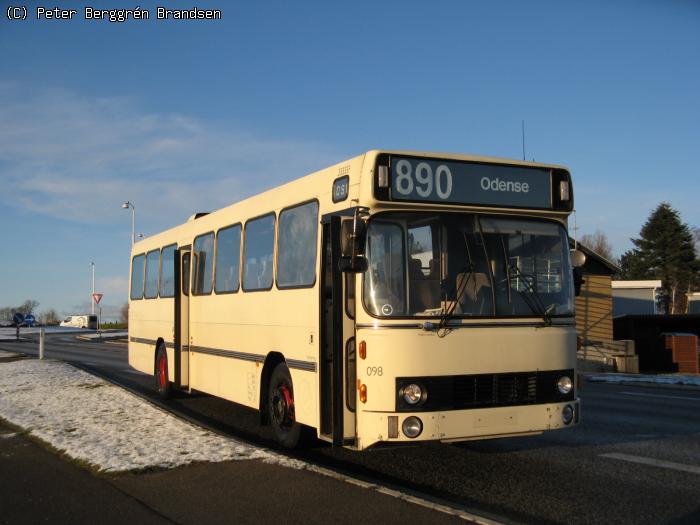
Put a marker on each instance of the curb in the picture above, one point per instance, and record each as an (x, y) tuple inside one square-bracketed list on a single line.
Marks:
[(632, 381), (100, 339)]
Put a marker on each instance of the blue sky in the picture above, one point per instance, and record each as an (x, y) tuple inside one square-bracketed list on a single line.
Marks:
[(184, 116)]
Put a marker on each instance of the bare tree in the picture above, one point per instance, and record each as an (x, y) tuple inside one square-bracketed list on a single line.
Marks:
[(598, 242), (6, 314), (49, 317), (27, 306)]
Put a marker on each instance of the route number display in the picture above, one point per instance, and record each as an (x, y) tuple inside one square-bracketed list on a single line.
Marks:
[(448, 182)]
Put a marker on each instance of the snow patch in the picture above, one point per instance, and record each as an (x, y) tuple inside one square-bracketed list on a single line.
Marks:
[(659, 379), (94, 421)]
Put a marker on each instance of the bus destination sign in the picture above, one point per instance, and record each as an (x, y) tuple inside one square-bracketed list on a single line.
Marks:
[(460, 182)]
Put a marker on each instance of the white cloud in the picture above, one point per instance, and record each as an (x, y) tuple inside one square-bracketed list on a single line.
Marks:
[(113, 286), (79, 158)]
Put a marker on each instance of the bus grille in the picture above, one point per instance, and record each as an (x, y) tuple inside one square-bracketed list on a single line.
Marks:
[(486, 390)]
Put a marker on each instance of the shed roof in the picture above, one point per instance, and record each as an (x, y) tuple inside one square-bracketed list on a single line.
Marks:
[(595, 263)]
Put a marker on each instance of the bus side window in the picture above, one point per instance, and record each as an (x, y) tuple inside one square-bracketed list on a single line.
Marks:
[(296, 249), (258, 247), (138, 266), (150, 290), (167, 269), (203, 264), (228, 259), (186, 273)]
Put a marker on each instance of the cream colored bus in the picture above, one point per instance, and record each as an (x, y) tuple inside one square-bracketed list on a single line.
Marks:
[(394, 297)]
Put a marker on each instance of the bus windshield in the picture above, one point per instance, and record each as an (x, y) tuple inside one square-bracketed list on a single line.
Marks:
[(470, 265)]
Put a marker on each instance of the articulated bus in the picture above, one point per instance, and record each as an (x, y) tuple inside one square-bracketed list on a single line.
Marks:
[(395, 297)]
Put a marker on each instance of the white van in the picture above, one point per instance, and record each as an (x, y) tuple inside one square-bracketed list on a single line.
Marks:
[(81, 321)]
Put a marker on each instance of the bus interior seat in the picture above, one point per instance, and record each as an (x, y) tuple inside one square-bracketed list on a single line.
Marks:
[(425, 289), (476, 297), (434, 266)]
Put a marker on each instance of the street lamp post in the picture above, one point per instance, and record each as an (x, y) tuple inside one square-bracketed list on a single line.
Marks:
[(92, 297), (126, 206)]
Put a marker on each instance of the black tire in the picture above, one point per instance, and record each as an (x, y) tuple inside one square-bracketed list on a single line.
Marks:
[(162, 377), (280, 407)]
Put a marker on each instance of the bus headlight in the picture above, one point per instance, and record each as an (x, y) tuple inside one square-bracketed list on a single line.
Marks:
[(564, 385), (413, 394), (412, 427)]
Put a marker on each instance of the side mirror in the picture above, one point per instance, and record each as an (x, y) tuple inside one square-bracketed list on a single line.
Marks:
[(352, 236), (578, 258), (357, 264)]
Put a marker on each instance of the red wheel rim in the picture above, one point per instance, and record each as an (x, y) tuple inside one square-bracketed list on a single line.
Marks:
[(283, 406), (162, 371)]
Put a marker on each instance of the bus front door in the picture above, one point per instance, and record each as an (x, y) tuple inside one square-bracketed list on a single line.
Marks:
[(182, 317), (337, 359)]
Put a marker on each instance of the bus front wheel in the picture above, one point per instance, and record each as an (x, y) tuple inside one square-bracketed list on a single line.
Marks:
[(280, 408), (162, 380)]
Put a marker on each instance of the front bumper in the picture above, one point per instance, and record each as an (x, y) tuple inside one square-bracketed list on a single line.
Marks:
[(461, 425)]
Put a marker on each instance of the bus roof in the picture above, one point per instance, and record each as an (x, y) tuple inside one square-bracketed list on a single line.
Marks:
[(310, 185)]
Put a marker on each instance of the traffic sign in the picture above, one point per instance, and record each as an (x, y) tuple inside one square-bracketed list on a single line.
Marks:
[(29, 320), (17, 318), (97, 297)]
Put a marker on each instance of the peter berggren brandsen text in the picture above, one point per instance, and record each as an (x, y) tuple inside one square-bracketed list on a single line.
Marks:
[(124, 15)]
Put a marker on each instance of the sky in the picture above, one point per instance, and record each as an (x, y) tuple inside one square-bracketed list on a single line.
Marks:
[(185, 116)]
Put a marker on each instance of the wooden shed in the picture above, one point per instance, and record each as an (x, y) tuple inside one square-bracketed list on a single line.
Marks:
[(594, 306), (594, 316)]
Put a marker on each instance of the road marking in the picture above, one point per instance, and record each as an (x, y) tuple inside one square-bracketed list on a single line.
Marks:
[(661, 396), (653, 462)]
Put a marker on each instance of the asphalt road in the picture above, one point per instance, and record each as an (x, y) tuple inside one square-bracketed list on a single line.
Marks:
[(634, 459)]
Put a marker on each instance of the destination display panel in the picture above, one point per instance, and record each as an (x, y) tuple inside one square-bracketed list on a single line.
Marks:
[(461, 182)]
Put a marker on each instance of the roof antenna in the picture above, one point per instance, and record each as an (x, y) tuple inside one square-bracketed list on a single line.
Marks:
[(523, 128)]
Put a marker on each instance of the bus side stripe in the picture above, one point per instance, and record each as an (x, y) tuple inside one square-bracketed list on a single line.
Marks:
[(257, 358), (150, 342), (292, 363)]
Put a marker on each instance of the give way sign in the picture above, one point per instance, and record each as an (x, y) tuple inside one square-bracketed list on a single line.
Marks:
[(97, 297)]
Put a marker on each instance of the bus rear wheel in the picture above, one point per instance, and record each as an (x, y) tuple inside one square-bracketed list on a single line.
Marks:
[(163, 385), (280, 407)]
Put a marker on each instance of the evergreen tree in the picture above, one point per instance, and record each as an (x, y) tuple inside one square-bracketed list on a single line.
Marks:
[(665, 250)]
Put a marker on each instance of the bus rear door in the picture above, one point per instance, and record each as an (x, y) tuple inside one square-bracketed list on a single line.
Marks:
[(182, 317)]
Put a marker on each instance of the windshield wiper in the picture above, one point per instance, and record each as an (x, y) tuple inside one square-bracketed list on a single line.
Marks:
[(533, 298), (460, 288), (507, 266)]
